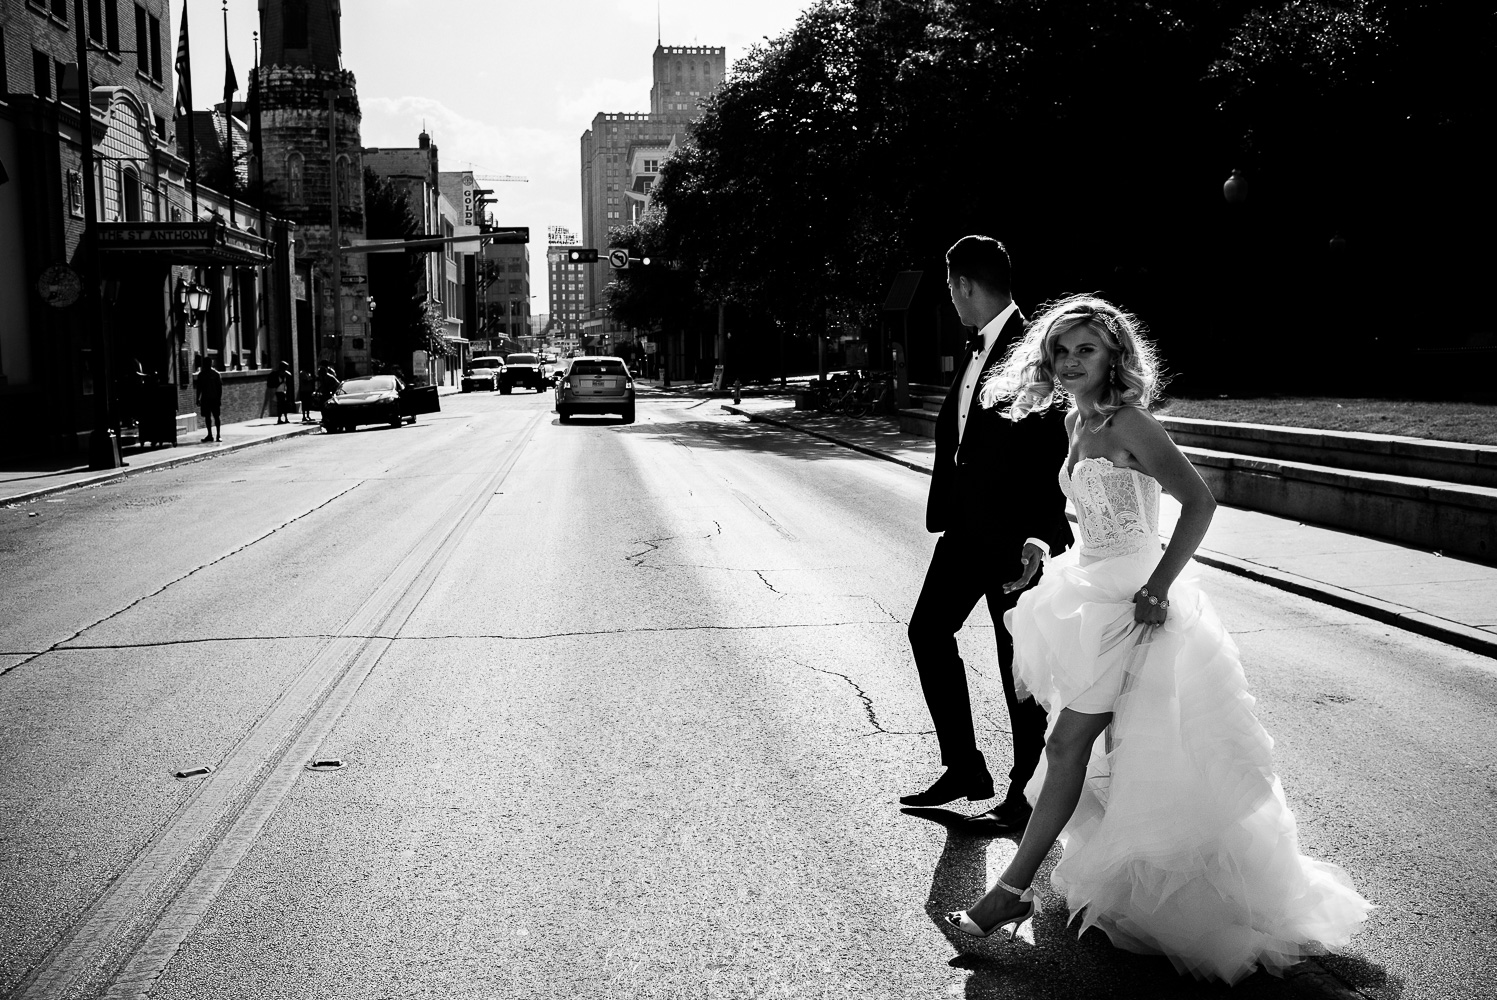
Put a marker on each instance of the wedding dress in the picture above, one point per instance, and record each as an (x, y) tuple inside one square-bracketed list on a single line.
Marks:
[(1182, 843)]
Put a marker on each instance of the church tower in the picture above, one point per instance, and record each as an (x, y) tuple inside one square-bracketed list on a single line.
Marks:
[(301, 63)]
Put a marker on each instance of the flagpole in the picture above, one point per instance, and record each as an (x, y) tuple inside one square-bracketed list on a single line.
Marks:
[(184, 107), (230, 85)]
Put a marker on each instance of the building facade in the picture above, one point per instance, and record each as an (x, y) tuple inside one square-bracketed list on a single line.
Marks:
[(99, 348), (621, 154), (312, 164)]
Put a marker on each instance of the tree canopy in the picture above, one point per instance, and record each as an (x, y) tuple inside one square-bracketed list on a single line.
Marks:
[(1093, 137)]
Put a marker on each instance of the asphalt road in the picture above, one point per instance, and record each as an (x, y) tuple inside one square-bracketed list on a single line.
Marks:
[(618, 711)]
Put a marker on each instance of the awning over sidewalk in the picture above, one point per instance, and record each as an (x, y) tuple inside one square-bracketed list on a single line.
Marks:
[(198, 244)]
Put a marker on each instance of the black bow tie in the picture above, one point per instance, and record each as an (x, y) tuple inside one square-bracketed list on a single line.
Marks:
[(974, 343)]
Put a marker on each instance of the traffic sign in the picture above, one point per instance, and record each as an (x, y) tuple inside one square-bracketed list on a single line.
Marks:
[(618, 259)]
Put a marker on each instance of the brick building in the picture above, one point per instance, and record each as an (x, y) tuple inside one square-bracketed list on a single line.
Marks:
[(95, 347)]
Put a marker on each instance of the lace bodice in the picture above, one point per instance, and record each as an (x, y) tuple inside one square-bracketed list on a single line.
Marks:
[(1117, 510)]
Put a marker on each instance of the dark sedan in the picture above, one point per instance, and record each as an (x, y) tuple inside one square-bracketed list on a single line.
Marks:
[(377, 399)]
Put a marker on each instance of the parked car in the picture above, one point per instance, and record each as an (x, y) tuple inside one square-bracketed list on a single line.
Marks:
[(482, 373), (521, 370), (596, 385), (377, 399)]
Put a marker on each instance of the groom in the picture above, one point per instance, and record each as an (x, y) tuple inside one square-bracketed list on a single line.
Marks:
[(993, 483)]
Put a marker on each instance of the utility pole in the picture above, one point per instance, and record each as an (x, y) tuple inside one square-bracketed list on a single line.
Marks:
[(337, 237), (103, 445)]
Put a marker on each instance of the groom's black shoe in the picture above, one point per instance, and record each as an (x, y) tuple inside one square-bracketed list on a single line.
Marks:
[(1012, 816), (972, 784)]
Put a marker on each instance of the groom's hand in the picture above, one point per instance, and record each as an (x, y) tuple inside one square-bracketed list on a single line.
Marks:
[(1032, 558)]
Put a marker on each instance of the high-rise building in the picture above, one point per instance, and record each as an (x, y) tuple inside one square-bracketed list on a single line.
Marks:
[(621, 153), (567, 287)]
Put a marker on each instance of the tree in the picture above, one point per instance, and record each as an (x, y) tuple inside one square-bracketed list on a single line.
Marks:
[(402, 323), (1093, 137)]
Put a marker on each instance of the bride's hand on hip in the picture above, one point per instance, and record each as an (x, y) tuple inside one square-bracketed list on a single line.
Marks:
[(1150, 609), (1033, 557)]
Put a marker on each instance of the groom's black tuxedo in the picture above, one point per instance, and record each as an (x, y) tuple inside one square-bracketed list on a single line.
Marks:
[(988, 494)]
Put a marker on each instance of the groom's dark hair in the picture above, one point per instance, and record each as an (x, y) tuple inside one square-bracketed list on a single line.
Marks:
[(983, 261)]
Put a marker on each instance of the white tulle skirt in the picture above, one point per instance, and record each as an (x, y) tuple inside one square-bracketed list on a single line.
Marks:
[(1182, 844)]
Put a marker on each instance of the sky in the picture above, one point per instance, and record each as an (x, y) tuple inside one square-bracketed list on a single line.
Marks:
[(502, 86)]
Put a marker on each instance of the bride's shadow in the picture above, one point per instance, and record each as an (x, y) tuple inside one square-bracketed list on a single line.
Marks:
[(1047, 959)]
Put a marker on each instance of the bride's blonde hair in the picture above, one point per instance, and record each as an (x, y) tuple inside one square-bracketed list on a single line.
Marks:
[(1025, 379)]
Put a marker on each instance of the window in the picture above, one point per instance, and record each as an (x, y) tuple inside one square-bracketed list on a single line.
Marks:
[(161, 127), (41, 73), (129, 195), (295, 163), (4, 76), (155, 47), (96, 20), (294, 24), (652, 166), (60, 10), (142, 50), (112, 26)]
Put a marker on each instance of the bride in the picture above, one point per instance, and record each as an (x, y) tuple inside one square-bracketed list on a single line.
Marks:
[(1157, 777)]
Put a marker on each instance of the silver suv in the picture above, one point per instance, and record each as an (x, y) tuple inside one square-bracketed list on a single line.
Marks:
[(595, 385)]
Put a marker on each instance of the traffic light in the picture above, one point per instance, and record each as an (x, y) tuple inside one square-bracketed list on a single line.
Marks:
[(582, 256)]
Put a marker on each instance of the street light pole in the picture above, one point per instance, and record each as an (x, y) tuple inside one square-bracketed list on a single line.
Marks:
[(103, 446)]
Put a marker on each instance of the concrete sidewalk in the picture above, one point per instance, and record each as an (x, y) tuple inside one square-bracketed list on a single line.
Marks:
[(1447, 599), (25, 481)]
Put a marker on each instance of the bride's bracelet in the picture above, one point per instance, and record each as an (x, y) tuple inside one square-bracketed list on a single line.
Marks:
[(1144, 593)]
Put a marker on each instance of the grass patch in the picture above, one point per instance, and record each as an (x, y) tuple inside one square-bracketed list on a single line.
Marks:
[(1469, 423)]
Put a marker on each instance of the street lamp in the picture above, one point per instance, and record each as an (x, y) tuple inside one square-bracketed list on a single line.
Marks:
[(1235, 188)]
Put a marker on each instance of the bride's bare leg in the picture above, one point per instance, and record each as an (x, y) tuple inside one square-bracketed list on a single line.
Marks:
[(1067, 750)]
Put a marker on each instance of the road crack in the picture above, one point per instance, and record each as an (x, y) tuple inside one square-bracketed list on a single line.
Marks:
[(863, 696), (637, 559), (62, 643), (765, 580), (69, 646)]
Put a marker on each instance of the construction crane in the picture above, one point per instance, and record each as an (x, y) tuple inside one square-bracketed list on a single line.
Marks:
[(501, 177)]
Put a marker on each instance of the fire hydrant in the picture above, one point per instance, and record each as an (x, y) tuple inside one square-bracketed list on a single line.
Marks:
[(737, 391)]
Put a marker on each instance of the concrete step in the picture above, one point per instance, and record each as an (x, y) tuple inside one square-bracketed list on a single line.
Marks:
[(1385, 454), (1453, 518)]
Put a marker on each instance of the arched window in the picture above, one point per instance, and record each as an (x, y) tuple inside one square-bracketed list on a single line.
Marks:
[(344, 194), (295, 165), (679, 74)]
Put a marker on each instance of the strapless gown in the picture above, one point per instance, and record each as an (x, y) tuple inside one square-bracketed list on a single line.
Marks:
[(1183, 844)]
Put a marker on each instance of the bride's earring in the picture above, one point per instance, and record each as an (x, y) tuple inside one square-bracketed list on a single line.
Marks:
[(1114, 375)]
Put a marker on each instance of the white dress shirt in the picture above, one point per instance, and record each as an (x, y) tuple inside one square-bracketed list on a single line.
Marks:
[(972, 376)]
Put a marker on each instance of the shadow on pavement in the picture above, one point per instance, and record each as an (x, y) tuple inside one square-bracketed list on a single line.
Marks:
[(1048, 960)]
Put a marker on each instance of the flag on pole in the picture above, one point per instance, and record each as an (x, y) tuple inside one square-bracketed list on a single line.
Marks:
[(184, 68), (231, 83), (184, 106)]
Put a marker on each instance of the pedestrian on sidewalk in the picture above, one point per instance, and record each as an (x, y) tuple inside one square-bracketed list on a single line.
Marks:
[(282, 378), (307, 389), (1157, 778), (984, 496), (209, 388)]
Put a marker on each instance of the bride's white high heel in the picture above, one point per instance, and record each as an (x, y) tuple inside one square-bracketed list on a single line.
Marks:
[(964, 923)]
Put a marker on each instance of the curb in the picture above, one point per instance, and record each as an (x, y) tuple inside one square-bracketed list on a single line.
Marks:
[(1465, 637), (170, 463)]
